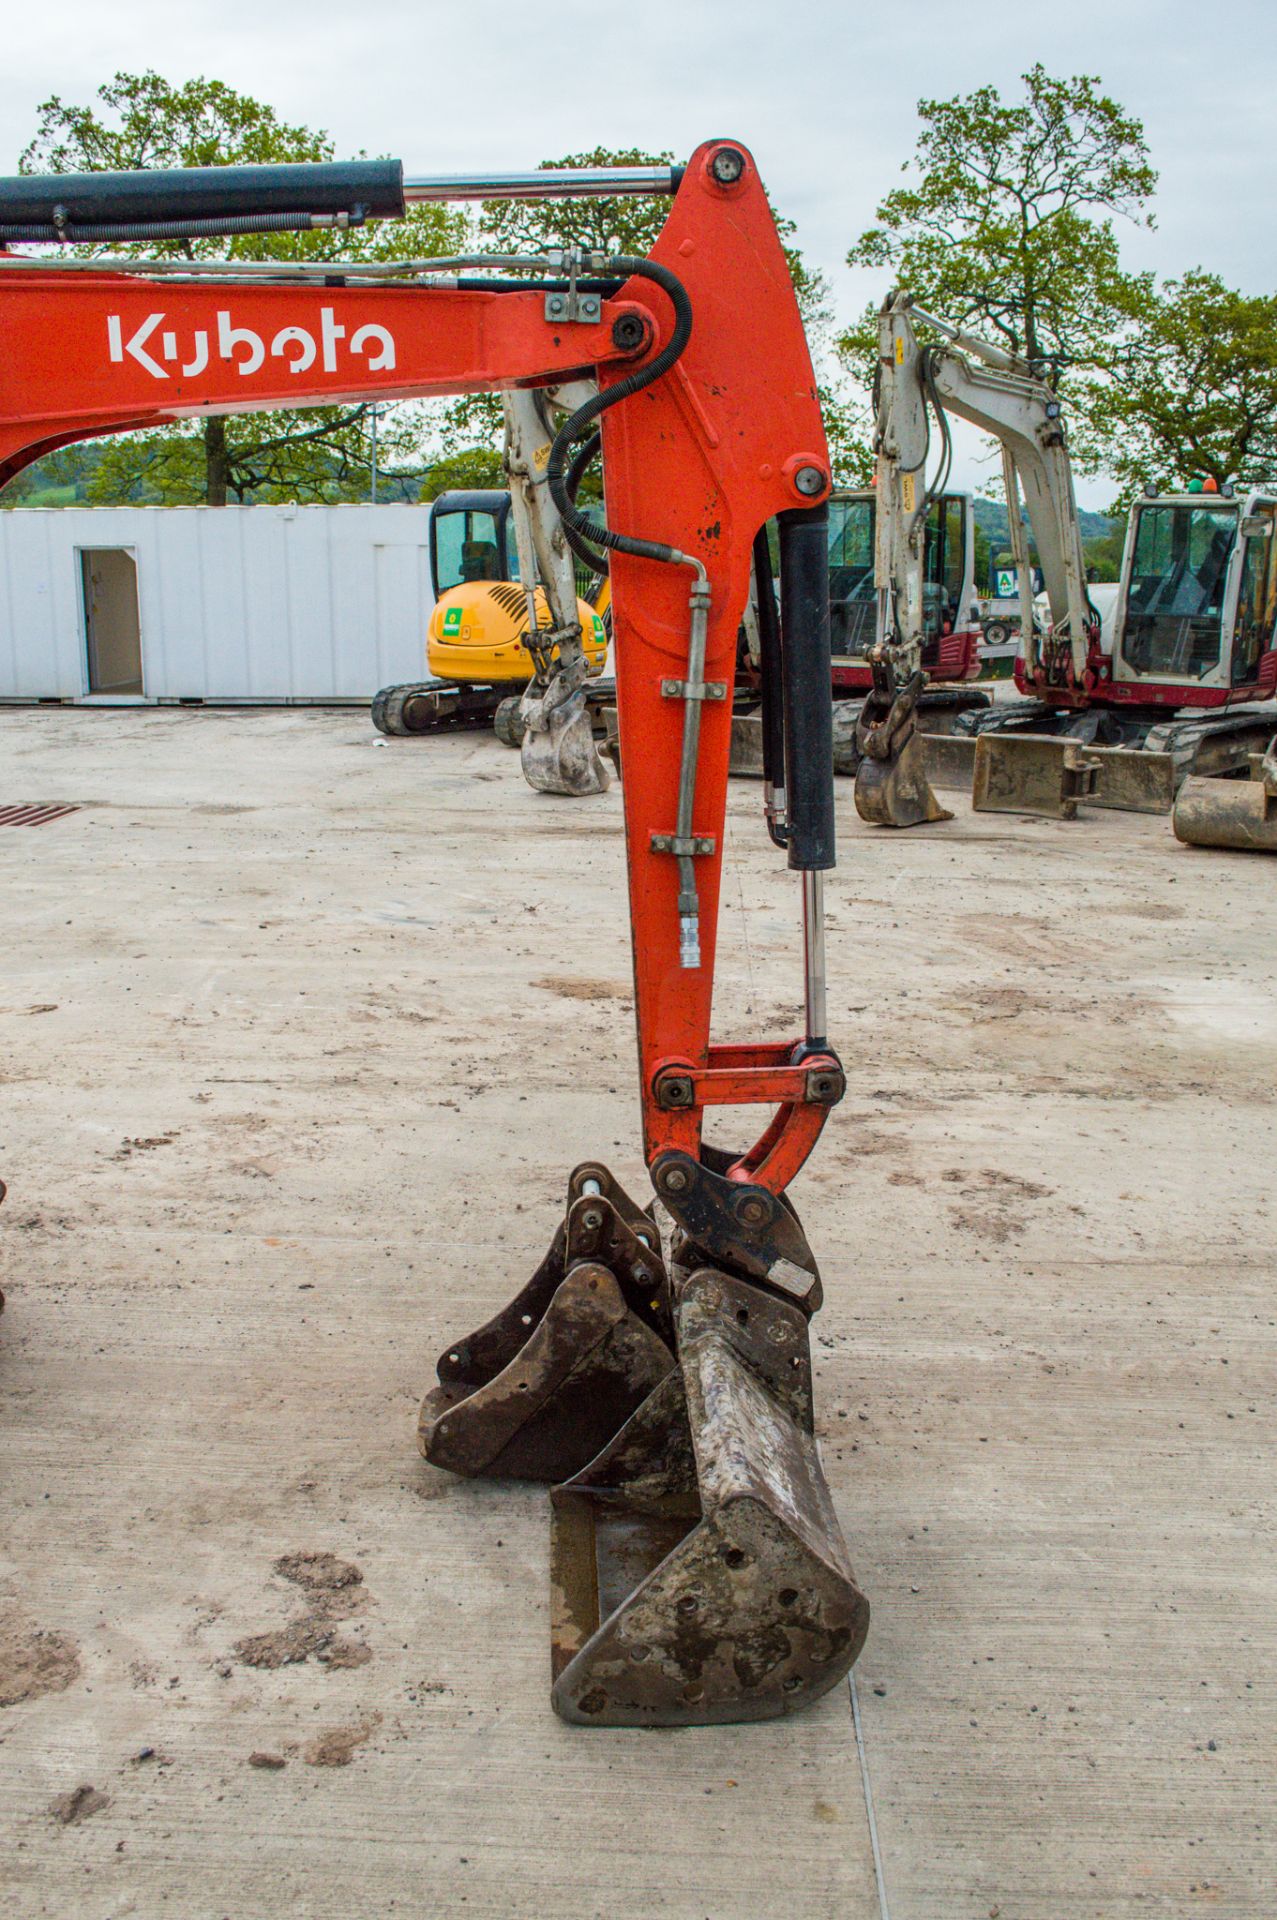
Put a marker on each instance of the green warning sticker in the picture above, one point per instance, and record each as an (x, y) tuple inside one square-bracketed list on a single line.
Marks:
[(600, 632), (452, 620)]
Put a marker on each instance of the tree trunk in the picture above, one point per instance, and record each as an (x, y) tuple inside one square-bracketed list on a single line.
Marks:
[(217, 464)]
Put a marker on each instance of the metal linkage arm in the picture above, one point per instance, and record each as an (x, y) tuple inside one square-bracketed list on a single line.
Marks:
[(974, 380), (695, 461)]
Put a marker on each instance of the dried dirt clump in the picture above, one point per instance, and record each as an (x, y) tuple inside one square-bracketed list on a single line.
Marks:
[(34, 1662), (339, 1745), (80, 1804), (286, 1646), (319, 1572)]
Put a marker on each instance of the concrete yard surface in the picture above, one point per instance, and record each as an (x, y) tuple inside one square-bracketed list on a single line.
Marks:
[(300, 1034)]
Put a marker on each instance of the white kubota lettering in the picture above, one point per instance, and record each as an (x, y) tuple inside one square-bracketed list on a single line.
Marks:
[(305, 342), (229, 337), (330, 333), (367, 334), (245, 349), (200, 361)]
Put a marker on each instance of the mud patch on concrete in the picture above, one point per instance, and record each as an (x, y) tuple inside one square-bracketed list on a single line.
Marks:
[(286, 1647), (573, 989), (333, 1587), (994, 1200), (339, 1745), (80, 1804), (33, 1662), (319, 1572)]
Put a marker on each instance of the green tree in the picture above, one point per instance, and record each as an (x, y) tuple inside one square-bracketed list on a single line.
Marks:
[(1188, 387), (141, 120), (1008, 227), (1105, 555)]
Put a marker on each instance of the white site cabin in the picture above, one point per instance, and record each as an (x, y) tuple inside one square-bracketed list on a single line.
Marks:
[(275, 605)]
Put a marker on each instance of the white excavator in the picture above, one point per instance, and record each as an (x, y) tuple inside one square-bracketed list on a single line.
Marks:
[(1176, 671)]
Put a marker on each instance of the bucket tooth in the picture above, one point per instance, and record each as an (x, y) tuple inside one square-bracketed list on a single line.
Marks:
[(699, 1574), (535, 1393)]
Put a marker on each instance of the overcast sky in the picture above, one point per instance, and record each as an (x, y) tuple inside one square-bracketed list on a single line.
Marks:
[(824, 93)]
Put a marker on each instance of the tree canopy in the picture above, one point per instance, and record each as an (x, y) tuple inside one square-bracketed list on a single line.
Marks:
[(1008, 226), (1189, 387)]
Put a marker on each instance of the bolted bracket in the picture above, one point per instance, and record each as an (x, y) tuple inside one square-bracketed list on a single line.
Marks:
[(699, 845), (826, 1086), (693, 689), (564, 308)]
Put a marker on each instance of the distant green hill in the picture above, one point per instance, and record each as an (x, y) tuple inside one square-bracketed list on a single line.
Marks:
[(991, 518)]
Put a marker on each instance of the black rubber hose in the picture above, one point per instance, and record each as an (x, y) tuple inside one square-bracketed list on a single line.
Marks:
[(584, 535), (581, 462)]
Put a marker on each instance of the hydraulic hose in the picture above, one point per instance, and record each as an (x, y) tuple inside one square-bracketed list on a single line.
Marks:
[(580, 464), (583, 535)]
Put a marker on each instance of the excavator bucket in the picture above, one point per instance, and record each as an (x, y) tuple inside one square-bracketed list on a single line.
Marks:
[(698, 1571), (557, 749), (537, 1391), (1231, 813), (896, 792), (892, 788)]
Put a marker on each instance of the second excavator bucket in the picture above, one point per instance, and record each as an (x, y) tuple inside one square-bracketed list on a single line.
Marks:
[(537, 1391), (892, 788), (1241, 814), (557, 750), (698, 1571)]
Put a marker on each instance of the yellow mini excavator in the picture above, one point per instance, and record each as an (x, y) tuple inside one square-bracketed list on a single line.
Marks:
[(515, 635)]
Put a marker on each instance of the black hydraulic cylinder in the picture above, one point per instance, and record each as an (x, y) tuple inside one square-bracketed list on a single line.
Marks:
[(363, 189), (807, 682), (770, 672)]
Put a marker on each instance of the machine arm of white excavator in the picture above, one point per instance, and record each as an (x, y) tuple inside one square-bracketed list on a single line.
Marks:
[(557, 749), (1000, 392)]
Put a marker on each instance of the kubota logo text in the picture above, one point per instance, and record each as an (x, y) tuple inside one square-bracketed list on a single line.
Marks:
[(158, 348)]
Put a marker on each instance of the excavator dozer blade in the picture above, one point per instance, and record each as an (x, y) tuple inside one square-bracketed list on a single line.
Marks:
[(1241, 814), (557, 750), (698, 1571), (537, 1391), (896, 792)]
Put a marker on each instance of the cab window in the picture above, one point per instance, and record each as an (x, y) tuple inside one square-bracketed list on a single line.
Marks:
[(1257, 600), (468, 547), (1174, 611)]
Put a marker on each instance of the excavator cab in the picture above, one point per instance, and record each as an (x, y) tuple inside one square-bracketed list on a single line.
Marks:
[(1199, 593), (950, 641), (481, 612)]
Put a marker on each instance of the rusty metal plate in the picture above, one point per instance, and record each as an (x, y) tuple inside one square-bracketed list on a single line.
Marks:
[(1031, 773), (1133, 780)]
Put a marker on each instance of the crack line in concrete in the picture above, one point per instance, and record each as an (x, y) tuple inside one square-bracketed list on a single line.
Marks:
[(869, 1797)]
